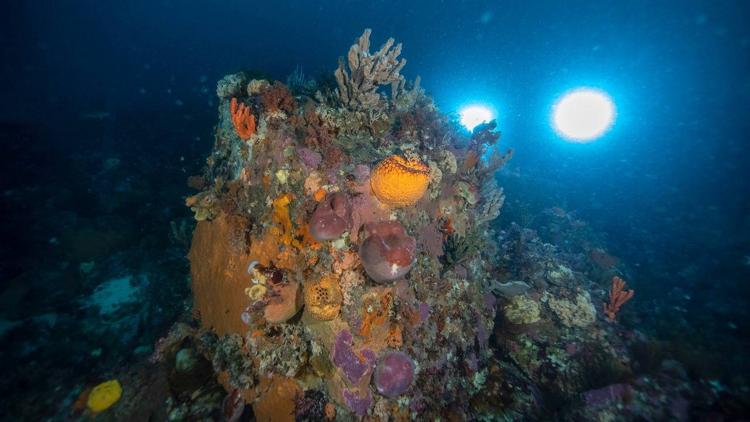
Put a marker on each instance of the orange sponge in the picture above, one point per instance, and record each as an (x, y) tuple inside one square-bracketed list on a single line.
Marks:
[(323, 299), (399, 182), (242, 119)]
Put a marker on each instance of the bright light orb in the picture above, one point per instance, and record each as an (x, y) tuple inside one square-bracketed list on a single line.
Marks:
[(474, 115), (583, 115)]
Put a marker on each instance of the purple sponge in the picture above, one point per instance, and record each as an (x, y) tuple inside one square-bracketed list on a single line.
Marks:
[(357, 403), (352, 366), (388, 252), (332, 217), (394, 374)]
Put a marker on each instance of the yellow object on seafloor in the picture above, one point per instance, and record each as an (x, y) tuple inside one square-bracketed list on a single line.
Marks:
[(399, 182), (104, 395)]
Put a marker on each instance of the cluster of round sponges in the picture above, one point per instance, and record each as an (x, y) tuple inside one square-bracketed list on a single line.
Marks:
[(399, 182), (323, 298)]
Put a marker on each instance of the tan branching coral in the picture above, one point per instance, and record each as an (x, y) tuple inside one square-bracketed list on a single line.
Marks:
[(399, 182), (357, 88), (323, 298)]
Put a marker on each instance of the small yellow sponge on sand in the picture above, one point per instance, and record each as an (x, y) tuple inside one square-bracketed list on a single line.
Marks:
[(104, 395)]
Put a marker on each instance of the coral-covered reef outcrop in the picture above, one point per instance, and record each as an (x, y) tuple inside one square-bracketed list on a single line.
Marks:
[(319, 256)]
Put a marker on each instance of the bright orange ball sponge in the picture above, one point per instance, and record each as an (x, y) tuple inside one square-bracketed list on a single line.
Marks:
[(399, 182)]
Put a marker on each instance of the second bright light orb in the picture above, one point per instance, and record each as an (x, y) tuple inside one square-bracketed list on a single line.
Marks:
[(474, 115), (583, 115)]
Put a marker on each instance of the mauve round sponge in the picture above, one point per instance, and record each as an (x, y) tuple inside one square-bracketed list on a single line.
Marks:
[(388, 253), (394, 374), (332, 217)]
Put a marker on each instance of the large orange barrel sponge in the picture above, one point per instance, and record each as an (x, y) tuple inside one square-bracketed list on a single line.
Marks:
[(399, 182)]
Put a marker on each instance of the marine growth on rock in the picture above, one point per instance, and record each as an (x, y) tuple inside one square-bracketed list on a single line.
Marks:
[(324, 194)]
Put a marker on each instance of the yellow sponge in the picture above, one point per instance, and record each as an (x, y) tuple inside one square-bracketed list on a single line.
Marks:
[(104, 395)]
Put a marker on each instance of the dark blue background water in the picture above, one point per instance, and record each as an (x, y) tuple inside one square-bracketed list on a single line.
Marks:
[(679, 76), (667, 186)]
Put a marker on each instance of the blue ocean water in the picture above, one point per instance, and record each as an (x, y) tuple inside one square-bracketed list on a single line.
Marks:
[(108, 107)]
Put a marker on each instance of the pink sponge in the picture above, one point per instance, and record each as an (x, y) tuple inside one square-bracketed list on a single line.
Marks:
[(394, 374), (387, 253), (332, 217)]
